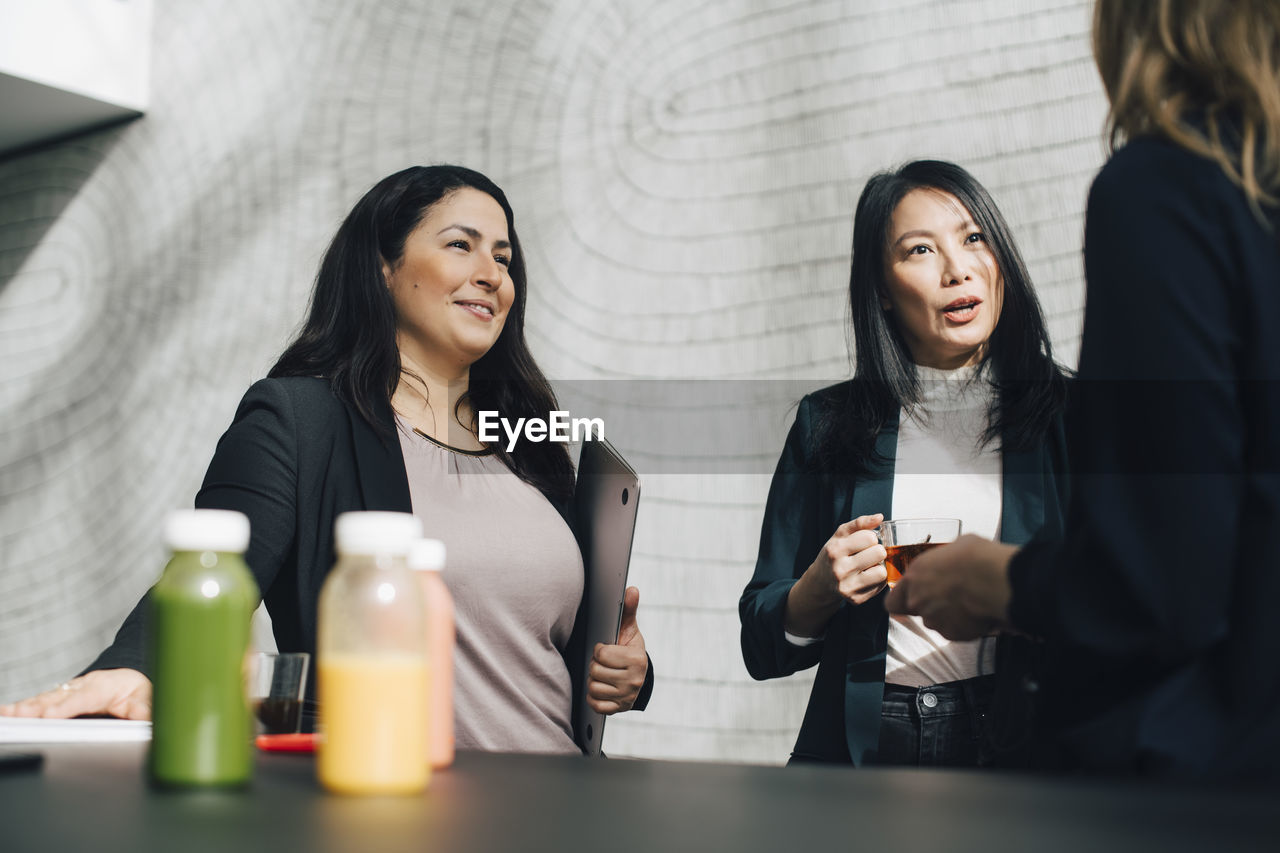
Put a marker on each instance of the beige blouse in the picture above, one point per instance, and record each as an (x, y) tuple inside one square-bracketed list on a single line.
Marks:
[(515, 572)]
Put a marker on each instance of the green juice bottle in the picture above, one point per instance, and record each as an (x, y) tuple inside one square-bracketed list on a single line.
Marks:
[(201, 732)]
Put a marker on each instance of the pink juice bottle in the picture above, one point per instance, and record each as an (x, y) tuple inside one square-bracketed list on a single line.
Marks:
[(427, 556)]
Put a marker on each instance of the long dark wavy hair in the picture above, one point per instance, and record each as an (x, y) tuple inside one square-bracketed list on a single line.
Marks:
[(349, 336), (1030, 386)]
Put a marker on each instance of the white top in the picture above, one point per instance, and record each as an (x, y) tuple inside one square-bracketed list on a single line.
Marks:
[(943, 471)]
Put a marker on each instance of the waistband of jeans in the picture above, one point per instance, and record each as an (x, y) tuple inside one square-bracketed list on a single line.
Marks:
[(947, 689)]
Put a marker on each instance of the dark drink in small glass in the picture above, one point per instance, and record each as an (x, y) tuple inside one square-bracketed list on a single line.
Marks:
[(276, 685), (907, 538), (278, 715)]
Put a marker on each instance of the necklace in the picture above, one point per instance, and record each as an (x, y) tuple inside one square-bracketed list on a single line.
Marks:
[(487, 451)]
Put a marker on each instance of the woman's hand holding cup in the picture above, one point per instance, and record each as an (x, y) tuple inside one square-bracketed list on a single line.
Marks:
[(849, 567), (851, 564)]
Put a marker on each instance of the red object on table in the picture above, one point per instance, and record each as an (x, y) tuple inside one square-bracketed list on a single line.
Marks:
[(286, 743)]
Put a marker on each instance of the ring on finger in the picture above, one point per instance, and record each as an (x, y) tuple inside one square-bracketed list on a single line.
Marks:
[(66, 685)]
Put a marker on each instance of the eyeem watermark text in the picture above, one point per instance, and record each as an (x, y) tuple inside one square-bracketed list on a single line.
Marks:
[(559, 427)]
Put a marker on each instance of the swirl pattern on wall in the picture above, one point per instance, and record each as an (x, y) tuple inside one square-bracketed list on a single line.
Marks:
[(684, 176)]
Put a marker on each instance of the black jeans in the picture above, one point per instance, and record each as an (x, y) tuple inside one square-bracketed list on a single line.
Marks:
[(937, 726)]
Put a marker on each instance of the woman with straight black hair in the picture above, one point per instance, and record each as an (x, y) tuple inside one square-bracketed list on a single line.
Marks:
[(954, 411), (1017, 357), (416, 324)]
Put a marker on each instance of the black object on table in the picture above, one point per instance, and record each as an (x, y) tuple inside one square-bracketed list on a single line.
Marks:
[(13, 761), (95, 797)]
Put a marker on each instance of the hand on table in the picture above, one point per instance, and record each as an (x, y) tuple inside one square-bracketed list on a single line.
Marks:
[(961, 590), (617, 672), (124, 693)]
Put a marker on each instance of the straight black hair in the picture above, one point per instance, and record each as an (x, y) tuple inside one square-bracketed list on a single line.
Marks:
[(1030, 386), (349, 336)]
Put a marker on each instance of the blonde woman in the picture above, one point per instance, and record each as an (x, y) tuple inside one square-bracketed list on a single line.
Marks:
[(1159, 603)]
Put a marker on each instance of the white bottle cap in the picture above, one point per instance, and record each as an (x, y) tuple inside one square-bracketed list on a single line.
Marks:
[(427, 555), (376, 532), (207, 530)]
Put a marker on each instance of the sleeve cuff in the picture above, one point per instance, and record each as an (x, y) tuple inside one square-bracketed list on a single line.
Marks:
[(646, 690), (801, 642)]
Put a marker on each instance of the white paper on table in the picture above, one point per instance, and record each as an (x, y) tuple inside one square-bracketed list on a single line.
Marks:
[(38, 730)]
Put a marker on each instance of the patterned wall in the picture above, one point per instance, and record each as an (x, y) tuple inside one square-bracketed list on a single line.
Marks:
[(683, 175)]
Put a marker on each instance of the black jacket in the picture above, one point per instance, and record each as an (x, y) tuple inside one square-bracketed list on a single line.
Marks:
[(1160, 608), (294, 458), (805, 506)]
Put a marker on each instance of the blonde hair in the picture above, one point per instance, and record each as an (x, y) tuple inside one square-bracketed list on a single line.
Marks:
[(1204, 74)]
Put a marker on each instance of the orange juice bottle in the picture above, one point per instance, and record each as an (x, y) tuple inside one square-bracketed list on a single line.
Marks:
[(371, 660), (427, 558)]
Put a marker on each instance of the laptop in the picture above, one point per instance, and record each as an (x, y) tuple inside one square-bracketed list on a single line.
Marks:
[(605, 503)]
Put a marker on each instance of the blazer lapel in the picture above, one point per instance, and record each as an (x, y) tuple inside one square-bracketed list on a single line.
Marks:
[(868, 624), (1022, 504), (874, 492), (380, 464)]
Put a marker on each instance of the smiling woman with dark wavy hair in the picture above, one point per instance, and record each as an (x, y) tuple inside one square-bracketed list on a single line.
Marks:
[(954, 411), (416, 324)]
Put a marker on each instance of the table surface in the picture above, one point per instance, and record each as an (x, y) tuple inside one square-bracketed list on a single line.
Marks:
[(95, 798)]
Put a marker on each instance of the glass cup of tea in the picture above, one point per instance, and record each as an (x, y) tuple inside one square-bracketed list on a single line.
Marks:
[(276, 684), (907, 538)]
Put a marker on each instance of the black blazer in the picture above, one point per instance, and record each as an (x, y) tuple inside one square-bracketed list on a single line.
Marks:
[(294, 458), (1160, 608), (805, 506)]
